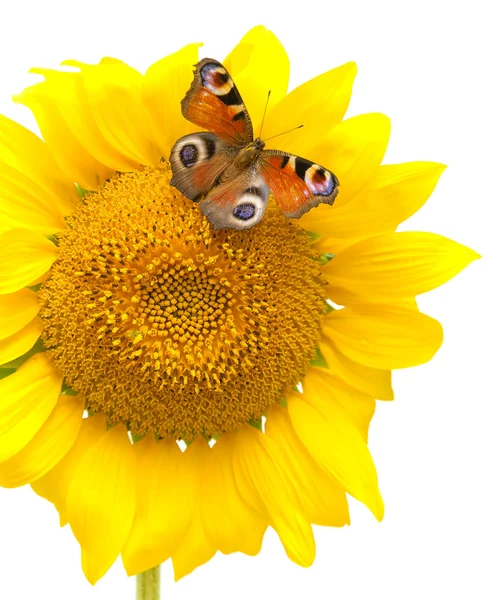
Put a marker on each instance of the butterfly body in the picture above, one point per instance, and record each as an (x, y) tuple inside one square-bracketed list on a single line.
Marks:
[(228, 171)]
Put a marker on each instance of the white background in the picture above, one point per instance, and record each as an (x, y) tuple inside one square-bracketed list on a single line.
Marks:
[(430, 67)]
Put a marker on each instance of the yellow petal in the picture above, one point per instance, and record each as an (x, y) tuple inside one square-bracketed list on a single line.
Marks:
[(26, 153), (47, 447), (229, 522), (73, 103), (318, 105), (101, 501), (323, 499), (166, 486), (353, 150), (358, 406), (395, 193), (24, 257), (259, 63), (114, 96), (196, 548), (28, 397), (19, 343), (335, 443), (55, 484), (384, 336), (394, 265), (23, 203), (263, 482), (16, 311), (375, 382), (164, 86), (72, 158)]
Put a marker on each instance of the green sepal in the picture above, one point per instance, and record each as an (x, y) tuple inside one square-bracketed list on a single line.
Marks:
[(5, 372), (67, 390), (284, 401), (137, 437), (312, 235), (17, 362), (326, 258), (319, 360), (82, 192), (329, 308), (257, 423)]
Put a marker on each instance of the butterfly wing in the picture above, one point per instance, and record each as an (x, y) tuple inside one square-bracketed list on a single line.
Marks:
[(239, 202), (214, 103), (297, 184), (198, 160)]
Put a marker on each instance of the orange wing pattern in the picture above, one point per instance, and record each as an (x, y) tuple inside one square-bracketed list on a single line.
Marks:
[(198, 160), (214, 103), (297, 184)]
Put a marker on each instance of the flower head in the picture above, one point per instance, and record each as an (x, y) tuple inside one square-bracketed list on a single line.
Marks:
[(126, 317)]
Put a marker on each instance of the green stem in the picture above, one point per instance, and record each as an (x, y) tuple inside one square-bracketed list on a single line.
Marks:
[(148, 585)]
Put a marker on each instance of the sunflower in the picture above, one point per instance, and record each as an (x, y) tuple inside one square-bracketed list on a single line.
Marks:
[(175, 390)]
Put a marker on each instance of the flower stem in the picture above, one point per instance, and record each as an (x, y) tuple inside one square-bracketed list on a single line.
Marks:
[(148, 584)]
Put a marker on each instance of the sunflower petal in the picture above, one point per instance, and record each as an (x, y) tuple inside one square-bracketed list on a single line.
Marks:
[(318, 105), (19, 343), (55, 483), (28, 397), (23, 203), (73, 103), (265, 484), (375, 382), (196, 548), (384, 336), (72, 158), (358, 406), (24, 257), (165, 478), (336, 444), (259, 64), (101, 501), (16, 311), (395, 193), (322, 498), (26, 153), (164, 86), (47, 447), (229, 522), (353, 150), (114, 95), (394, 265)]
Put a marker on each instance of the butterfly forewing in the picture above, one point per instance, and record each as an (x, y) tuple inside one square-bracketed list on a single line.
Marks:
[(214, 103), (297, 184), (198, 160)]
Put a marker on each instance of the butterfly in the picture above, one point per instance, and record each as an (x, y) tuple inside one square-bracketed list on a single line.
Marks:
[(227, 170)]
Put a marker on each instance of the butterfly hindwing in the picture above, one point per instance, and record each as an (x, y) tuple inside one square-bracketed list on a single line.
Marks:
[(198, 160), (214, 103), (237, 203), (297, 184)]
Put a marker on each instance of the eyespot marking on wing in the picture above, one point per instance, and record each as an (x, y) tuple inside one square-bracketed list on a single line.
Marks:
[(244, 211), (188, 155), (320, 181), (216, 79)]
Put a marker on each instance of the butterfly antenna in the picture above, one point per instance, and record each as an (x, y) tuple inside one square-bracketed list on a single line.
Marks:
[(283, 133), (264, 115)]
